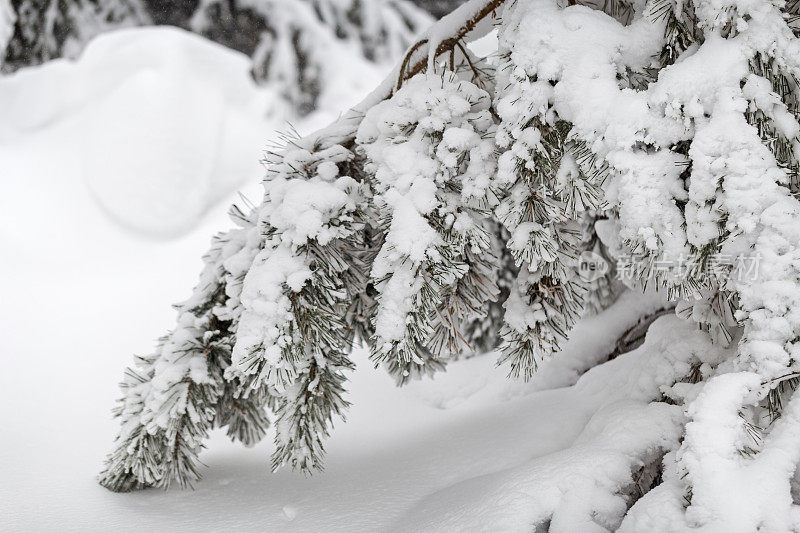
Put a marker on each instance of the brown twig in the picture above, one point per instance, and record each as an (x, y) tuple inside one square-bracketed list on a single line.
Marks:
[(790, 375), (475, 71), (446, 45), (404, 65)]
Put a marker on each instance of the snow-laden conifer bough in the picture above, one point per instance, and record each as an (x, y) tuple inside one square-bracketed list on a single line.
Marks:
[(661, 135)]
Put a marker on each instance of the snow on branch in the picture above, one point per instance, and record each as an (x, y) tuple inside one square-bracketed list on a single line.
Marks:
[(660, 136)]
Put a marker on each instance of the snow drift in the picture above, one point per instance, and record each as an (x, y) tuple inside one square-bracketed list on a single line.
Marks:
[(167, 122)]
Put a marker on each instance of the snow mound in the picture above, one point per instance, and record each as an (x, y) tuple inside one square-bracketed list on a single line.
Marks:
[(167, 122)]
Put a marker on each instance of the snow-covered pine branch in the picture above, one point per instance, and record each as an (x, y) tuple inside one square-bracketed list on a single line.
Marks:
[(293, 292), (293, 334), (430, 162), (174, 397), (660, 135)]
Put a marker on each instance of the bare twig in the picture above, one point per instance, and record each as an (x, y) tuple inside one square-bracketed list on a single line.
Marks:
[(447, 45), (784, 377)]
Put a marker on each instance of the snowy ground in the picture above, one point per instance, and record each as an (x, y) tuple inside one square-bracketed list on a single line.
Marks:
[(93, 260)]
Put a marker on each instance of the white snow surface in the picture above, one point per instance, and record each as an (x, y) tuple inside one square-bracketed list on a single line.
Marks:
[(467, 451), (164, 120)]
